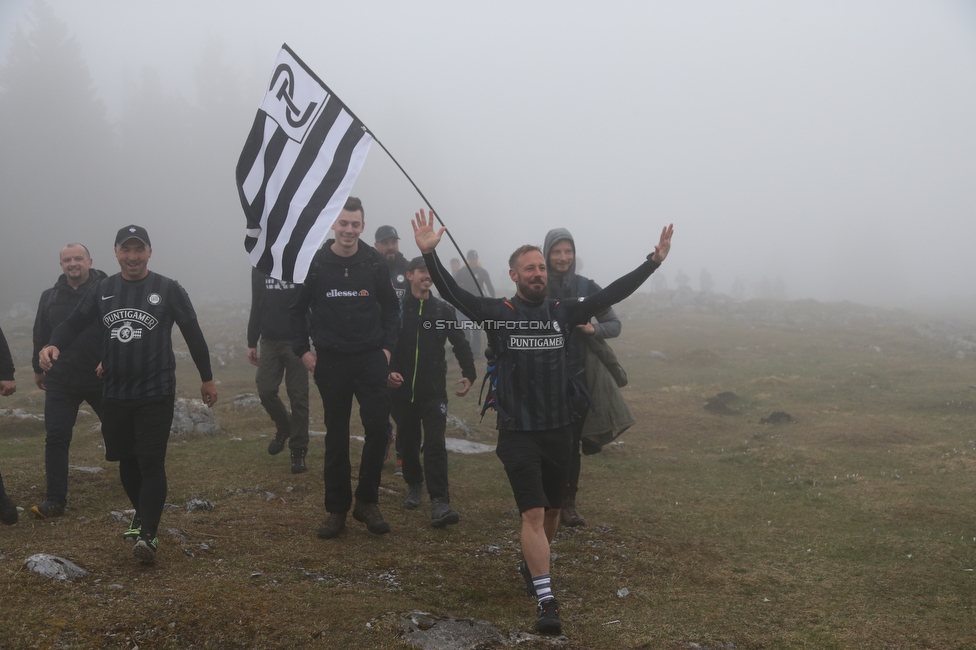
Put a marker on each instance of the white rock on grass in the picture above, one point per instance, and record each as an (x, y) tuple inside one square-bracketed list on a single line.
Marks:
[(53, 567), (245, 400), (192, 416)]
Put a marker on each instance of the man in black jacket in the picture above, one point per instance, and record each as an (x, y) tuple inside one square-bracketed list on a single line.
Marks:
[(528, 336), (420, 396), (270, 322), (8, 386), (354, 330), (74, 380)]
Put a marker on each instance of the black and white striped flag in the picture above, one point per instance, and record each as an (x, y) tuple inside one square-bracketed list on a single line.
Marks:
[(296, 171)]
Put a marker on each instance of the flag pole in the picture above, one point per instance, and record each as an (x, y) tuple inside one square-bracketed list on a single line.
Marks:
[(432, 211)]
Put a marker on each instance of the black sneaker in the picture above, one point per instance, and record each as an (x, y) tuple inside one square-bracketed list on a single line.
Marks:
[(298, 461), (48, 510), (529, 585), (333, 525), (8, 510), (135, 529), (369, 514), (415, 493), (145, 549), (441, 513), (548, 617), (277, 444)]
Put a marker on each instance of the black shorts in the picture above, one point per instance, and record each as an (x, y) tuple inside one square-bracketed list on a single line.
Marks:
[(136, 427), (537, 464)]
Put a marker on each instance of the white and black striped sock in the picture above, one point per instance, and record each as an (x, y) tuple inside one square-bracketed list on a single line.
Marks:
[(543, 587)]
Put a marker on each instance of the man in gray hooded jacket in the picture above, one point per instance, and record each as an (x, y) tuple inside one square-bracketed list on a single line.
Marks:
[(559, 250)]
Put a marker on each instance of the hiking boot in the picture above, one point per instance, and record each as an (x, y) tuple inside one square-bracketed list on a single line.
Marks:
[(548, 617), (568, 515), (298, 461), (277, 444), (527, 576), (333, 525), (135, 529), (8, 510), (415, 493), (48, 509), (369, 514), (441, 512), (145, 549)]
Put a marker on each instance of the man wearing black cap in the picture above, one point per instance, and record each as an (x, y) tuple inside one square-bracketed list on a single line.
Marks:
[(137, 309), (418, 371), (388, 244)]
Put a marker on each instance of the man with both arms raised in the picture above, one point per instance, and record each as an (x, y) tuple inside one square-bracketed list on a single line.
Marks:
[(533, 406), (137, 309)]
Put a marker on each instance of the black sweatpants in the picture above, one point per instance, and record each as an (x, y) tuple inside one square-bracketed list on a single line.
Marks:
[(432, 416), (339, 377)]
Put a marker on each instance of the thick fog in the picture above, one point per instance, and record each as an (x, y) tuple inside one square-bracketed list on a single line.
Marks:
[(821, 150)]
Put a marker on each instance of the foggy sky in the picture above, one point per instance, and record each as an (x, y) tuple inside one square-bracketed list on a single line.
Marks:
[(831, 145)]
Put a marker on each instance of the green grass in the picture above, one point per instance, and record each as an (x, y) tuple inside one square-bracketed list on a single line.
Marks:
[(851, 527)]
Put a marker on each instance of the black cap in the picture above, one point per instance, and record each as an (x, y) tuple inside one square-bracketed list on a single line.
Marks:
[(386, 232), (417, 263), (132, 232)]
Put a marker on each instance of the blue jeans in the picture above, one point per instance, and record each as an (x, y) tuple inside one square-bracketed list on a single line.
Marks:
[(60, 413)]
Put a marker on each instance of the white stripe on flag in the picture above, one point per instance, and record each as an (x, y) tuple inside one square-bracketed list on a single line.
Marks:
[(320, 231), (308, 186)]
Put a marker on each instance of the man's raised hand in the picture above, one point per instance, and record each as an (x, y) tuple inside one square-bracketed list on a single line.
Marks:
[(423, 231), (662, 248)]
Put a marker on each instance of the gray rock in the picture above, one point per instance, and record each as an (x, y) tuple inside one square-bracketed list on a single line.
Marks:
[(454, 422), (424, 630), (53, 567), (244, 400), (87, 470), (193, 417), (20, 414), (467, 446), (200, 505)]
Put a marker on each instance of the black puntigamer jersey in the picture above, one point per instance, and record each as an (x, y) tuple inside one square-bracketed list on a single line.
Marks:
[(532, 380), (138, 318)]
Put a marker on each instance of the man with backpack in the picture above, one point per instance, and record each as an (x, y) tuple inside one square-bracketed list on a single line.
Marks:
[(528, 335)]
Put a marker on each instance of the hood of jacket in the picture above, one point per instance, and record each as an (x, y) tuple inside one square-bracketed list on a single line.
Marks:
[(561, 285), (94, 275)]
